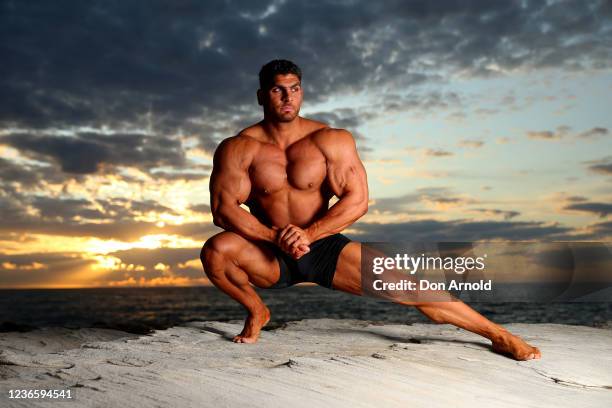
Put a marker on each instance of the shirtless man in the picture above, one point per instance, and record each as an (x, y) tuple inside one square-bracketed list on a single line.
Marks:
[(286, 169)]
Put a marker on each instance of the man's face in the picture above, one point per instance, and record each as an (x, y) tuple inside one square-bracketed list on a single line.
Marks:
[(283, 99)]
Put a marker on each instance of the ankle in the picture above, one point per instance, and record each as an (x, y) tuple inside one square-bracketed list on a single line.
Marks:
[(259, 311)]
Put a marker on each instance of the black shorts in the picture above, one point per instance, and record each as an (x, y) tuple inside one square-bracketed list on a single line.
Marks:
[(318, 265)]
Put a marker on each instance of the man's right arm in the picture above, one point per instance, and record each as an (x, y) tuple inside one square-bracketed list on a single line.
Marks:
[(230, 187)]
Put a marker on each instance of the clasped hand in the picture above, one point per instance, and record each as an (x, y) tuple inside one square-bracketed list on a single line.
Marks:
[(293, 240)]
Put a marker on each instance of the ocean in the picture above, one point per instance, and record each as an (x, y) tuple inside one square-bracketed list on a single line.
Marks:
[(140, 310)]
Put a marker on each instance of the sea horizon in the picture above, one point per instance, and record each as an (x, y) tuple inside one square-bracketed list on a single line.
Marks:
[(142, 309)]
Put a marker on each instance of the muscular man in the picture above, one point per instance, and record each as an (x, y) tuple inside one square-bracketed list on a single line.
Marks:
[(285, 169)]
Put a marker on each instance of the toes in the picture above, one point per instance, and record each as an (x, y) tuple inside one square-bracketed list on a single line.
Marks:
[(243, 339), (537, 353)]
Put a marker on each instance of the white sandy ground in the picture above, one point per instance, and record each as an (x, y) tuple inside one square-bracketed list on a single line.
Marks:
[(310, 363)]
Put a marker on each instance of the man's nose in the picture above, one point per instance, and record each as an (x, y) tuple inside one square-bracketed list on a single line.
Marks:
[(286, 96)]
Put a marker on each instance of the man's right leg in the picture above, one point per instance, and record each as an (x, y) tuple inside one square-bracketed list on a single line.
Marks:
[(232, 263)]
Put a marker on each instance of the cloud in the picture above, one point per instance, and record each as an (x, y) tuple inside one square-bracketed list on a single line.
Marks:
[(437, 197), (564, 131), (576, 199), (543, 134), (602, 230), (601, 166), (87, 152), (457, 230), (182, 176), (437, 153), (474, 144), (113, 218), (419, 102), (144, 267), (193, 65), (28, 175), (155, 263), (40, 269), (601, 209), (507, 215), (88, 88), (201, 208), (594, 133), (561, 132), (348, 118)]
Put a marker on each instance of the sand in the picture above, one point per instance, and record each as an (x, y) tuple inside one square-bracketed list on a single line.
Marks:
[(309, 363)]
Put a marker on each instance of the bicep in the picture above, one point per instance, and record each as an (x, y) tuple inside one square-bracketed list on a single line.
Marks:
[(229, 181), (346, 173), (229, 187)]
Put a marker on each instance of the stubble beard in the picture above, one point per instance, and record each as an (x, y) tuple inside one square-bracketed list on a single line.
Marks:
[(288, 117)]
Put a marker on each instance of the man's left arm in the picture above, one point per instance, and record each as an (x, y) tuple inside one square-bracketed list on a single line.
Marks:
[(348, 180)]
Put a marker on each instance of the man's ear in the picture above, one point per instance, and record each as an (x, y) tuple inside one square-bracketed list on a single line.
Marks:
[(259, 97)]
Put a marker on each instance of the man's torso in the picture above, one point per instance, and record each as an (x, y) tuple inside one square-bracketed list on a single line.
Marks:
[(289, 185)]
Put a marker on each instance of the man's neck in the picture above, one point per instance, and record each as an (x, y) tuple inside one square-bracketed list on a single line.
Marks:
[(283, 133)]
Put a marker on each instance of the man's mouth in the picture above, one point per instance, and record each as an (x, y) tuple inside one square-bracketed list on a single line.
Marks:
[(287, 108)]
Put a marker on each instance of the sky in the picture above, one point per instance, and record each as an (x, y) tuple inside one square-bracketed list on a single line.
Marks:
[(475, 120)]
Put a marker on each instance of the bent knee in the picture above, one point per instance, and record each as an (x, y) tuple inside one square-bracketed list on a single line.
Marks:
[(221, 245)]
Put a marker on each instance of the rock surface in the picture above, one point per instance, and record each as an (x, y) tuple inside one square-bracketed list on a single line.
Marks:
[(321, 363)]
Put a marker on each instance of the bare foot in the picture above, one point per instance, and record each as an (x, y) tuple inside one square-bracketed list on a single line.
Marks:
[(516, 347), (252, 327)]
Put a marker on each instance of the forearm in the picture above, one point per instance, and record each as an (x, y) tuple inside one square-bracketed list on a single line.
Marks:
[(242, 222), (342, 214)]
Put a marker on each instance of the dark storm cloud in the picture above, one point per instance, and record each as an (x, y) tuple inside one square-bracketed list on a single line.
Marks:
[(28, 175), (13, 172), (193, 65), (601, 209), (85, 152)]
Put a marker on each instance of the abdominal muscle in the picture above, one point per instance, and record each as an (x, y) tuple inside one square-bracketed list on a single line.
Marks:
[(296, 207)]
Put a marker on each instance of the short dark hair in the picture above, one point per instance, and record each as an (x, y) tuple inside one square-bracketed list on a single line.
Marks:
[(276, 67)]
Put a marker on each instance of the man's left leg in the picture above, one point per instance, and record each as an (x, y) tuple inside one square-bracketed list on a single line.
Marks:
[(348, 279)]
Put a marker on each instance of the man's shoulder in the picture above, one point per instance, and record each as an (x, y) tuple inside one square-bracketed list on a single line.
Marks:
[(247, 137), (333, 138), (314, 126), (241, 148), (251, 133)]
